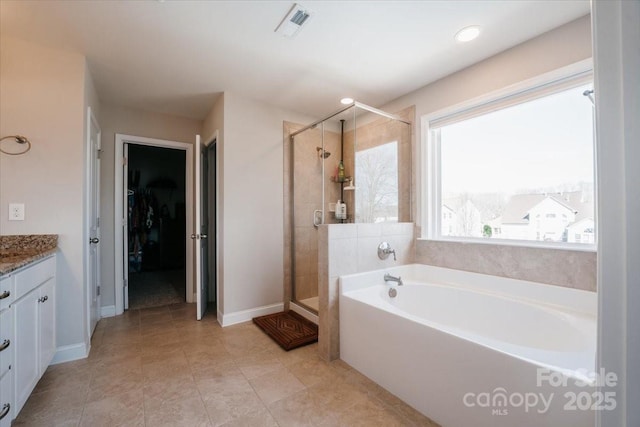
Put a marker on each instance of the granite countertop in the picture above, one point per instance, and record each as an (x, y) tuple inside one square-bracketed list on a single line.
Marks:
[(21, 250)]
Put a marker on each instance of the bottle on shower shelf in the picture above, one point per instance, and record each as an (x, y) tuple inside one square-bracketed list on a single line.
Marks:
[(341, 210), (341, 175)]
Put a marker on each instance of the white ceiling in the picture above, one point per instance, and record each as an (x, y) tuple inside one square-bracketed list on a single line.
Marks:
[(176, 57)]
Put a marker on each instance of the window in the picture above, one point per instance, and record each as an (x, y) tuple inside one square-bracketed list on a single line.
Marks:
[(377, 178), (522, 164)]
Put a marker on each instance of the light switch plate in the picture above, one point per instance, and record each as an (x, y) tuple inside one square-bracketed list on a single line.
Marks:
[(16, 211)]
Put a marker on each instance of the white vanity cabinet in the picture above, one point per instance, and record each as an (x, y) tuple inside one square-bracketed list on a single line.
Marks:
[(7, 346), (34, 326)]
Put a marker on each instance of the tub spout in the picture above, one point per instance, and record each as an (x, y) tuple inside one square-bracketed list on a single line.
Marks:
[(390, 278)]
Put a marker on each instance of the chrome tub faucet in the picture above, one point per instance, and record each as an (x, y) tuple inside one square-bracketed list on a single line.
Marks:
[(390, 278), (384, 250)]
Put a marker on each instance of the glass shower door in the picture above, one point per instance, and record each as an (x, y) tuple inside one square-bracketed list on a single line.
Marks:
[(308, 156)]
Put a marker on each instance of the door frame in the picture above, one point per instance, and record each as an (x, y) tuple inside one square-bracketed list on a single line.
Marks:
[(121, 221), (89, 172), (213, 143)]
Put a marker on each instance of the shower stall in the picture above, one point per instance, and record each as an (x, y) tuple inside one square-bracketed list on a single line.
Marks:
[(353, 166)]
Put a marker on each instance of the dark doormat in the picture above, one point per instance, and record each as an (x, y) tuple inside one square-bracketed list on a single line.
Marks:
[(288, 329)]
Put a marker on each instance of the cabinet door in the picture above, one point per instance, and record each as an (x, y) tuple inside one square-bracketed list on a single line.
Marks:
[(6, 405), (26, 325), (7, 341), (47, 324)]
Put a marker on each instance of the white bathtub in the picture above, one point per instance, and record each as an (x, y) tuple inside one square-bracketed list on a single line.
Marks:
[(468, 349)]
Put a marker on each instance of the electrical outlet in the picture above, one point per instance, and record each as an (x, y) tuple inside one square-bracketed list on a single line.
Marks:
[(16, 211)]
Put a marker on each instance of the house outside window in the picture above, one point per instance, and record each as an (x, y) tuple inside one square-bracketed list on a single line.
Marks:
[(521, 163)]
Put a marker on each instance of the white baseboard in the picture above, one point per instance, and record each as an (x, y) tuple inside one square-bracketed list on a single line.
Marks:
[(219, 316), (246, 315), (108, 311), (304, 313), (67, 353)]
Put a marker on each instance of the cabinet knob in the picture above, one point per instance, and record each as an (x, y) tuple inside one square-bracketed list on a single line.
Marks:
[(5, 294), (5, 345), (5, 410), (94, 240)]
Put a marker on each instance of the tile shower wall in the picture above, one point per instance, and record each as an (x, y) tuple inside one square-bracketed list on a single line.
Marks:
[(347, 249)]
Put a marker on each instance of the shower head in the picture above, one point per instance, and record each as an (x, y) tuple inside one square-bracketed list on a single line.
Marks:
[(323, 154)]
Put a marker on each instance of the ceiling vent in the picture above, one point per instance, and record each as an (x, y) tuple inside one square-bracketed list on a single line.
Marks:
[(293, 22)]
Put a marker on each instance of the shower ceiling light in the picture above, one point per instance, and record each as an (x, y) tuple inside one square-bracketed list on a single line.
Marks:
[(467, 34), (346, 101), (293, 21)]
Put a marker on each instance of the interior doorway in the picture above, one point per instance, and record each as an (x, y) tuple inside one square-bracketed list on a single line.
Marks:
[(156, 210), (121, 241)]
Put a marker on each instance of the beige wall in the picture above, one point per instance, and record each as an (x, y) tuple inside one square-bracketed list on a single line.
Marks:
[(252, 203), (215, 119), (560, 47), (43, 97), (114, 119)]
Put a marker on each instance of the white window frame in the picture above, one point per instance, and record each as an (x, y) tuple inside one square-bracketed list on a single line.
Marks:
[(565, 78)]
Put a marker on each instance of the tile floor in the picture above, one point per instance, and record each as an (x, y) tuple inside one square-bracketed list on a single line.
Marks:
[(160, 367)]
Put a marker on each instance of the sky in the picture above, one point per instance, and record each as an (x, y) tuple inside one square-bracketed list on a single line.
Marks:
[(542, 143)]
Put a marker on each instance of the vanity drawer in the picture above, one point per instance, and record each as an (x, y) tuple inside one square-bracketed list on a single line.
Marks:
[(7, 341), (34, 276), (7, 292)]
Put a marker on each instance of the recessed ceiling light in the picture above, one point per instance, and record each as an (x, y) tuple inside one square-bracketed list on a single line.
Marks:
[(346, 101), (467, 34)]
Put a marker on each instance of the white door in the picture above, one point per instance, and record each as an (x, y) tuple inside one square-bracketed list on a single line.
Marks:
[(197, 236), (125, 225), (94, 222), (205, 236)]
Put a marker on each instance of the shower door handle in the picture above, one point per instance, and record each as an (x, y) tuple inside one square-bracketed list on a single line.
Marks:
[(317, 218)]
